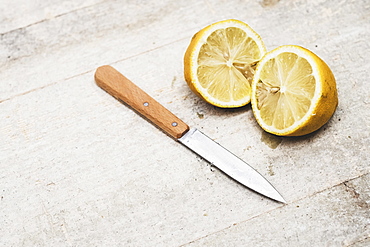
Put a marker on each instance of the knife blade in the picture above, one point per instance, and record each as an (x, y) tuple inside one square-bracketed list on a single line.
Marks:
[(117, 85)]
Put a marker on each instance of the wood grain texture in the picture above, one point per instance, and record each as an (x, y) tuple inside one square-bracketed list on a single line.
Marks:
[(354, 195), (89, 38), (123, 89), (17, 14)]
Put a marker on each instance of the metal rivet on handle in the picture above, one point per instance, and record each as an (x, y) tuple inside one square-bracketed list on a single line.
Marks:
[(146, 104), (174, 124)]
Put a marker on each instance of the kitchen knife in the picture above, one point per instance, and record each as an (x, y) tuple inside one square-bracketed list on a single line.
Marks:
[(123, 89)]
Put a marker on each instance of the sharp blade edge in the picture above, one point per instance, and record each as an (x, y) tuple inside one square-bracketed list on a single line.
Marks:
[(229, 163)]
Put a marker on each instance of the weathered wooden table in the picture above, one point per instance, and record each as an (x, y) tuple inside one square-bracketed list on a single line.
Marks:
[(78, 168)]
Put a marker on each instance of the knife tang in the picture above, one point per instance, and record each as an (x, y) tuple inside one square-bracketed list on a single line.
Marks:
[(123, 89)]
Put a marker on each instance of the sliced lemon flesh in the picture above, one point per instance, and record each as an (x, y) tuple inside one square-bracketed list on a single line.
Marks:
[(220, 61), (293, 92)]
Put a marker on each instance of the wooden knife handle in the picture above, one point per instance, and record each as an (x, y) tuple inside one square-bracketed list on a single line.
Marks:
[(123, 89)]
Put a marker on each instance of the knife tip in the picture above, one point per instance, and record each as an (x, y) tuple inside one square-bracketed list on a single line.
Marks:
[(283, 201), (279, 198), (274, 195)]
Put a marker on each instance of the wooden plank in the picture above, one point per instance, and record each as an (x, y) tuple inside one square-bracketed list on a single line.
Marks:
[(84, 39), (19, 13), (338, 222)]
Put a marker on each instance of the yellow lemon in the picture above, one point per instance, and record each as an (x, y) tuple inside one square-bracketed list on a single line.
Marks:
[(293, 92), (220, 61)]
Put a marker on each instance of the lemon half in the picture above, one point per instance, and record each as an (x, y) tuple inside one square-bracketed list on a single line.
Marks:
[(220, 62), (293, 92)]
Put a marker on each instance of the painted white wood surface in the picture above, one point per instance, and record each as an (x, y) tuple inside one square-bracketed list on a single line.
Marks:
[(78, 168), (19, 13)]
